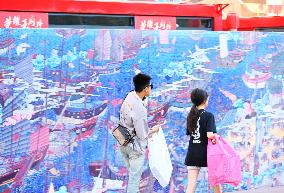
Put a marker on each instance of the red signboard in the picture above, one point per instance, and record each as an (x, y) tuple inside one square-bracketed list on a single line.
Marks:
[(155, 23), (23, 20)]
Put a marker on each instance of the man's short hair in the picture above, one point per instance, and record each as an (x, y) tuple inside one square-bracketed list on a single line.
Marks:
[(141, 81)]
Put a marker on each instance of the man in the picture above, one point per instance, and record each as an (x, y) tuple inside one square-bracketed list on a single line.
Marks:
[(133, 115)]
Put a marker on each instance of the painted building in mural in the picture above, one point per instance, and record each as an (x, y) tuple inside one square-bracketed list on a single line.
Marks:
[(61, 91)]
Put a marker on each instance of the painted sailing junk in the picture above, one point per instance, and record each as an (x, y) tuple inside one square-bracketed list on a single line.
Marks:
[(61, 91)]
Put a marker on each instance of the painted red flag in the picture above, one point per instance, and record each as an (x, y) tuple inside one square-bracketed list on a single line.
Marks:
[(15, 136)]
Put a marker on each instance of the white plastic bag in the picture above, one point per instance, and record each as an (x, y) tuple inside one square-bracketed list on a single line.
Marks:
[(159, 158)]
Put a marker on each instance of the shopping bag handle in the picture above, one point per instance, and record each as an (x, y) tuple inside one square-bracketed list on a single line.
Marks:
[(215, 138)]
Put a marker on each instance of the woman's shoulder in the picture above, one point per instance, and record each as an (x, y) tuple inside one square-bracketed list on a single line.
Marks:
[(208, 114)]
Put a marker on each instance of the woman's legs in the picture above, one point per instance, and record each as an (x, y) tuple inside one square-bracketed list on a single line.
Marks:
[(217, 189), (192, 178)]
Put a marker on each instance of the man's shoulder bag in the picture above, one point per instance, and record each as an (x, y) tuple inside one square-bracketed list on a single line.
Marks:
[(122, 135)]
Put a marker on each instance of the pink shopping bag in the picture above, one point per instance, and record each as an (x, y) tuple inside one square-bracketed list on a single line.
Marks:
[(224, 164)]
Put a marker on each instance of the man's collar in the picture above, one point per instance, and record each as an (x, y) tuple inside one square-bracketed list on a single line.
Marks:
[(136, 95)]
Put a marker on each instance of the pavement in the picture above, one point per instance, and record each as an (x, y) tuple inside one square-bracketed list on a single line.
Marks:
[(278, 189)]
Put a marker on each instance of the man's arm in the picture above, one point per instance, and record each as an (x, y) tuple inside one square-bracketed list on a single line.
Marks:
[(140, 123)]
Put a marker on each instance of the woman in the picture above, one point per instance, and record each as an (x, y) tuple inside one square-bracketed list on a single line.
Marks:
[(200, 127)]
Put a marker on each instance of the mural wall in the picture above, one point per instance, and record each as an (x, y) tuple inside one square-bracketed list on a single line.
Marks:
[(61, 91)]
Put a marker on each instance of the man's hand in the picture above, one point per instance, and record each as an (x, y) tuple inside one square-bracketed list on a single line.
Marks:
[(154, 129)]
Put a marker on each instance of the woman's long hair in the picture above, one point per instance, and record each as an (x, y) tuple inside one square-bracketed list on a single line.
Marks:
[(198, 96)]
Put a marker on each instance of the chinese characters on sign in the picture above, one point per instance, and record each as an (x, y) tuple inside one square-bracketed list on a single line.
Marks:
[(23, 20), (155, 23)]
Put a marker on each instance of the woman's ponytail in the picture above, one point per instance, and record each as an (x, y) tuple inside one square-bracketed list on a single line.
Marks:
[(198, 96), (192, 119)]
